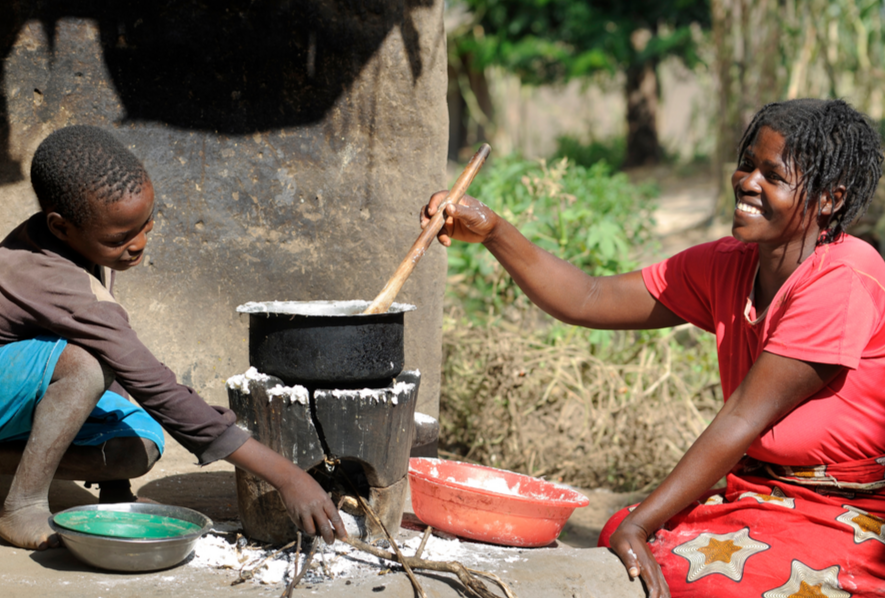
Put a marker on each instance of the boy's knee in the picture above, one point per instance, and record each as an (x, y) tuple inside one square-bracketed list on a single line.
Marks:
[(152, 454), (127, 458), (79, 366)]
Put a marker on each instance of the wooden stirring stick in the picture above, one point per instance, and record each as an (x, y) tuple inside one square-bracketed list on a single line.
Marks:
[(382, 302)]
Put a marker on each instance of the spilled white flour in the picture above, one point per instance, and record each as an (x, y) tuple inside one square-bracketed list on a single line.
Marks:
[(295, 394), (241, 381), (423, 418), (340, 560), (376, 395)]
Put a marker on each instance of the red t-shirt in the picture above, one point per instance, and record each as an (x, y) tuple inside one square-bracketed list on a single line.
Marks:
[(830, 310)]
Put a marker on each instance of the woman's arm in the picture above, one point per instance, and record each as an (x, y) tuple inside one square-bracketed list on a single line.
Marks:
[(556, 286), (308, 504), (773, 387)]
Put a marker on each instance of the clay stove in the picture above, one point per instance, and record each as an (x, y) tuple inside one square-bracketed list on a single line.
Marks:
[(366, 431)]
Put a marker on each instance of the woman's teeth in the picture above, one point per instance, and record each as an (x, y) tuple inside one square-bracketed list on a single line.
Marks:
[(745, 207)]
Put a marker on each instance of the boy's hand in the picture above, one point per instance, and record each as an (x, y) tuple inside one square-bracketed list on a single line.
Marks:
[(630, 544), (306, 502), (470, 220), (311, 508)]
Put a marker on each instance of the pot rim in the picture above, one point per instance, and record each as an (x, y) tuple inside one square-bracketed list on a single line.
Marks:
[(317, 308)]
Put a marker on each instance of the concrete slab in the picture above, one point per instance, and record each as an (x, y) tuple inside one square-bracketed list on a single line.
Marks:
[(559, 571)]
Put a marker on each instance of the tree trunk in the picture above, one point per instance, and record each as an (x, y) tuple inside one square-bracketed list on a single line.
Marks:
[(642, 108)]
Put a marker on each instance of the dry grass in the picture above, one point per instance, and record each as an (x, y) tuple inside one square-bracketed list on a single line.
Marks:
[(512, 400)]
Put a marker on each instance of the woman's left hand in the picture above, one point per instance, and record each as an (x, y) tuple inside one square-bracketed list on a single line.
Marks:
[(630, 544)]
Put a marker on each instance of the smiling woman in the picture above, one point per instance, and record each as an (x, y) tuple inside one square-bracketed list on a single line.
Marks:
[(798, 310)]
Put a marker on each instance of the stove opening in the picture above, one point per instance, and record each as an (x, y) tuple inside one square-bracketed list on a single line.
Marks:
[(347, 480)]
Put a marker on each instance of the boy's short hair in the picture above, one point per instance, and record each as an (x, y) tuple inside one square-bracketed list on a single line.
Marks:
[(830, 144), (80, 163)]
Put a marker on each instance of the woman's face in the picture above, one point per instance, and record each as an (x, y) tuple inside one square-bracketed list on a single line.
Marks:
[(768, 201)]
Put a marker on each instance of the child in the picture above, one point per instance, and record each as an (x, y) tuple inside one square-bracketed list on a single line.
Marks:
[(66, 341), (798, 309)]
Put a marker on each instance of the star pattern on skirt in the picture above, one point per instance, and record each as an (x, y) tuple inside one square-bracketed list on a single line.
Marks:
[(777, 497), (725, 554), (866, 526), (798, 471), (806, 582)]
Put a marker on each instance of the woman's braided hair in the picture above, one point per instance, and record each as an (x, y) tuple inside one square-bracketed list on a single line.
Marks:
[(81, 164), (828, 143)]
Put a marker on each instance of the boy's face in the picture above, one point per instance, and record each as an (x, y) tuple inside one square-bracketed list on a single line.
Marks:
[(116, 235)]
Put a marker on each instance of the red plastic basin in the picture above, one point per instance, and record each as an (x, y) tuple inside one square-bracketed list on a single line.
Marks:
[(490, 505)]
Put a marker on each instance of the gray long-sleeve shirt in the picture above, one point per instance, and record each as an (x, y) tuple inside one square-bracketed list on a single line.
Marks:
[(47, 288)]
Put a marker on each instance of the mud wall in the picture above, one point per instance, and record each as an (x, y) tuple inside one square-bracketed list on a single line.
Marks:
[(290, 143)]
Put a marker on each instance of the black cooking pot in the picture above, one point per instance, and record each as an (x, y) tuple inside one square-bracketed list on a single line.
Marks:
[(328, 344)]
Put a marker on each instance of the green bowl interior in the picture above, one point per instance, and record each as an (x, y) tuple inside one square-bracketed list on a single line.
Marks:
[(125, 524)]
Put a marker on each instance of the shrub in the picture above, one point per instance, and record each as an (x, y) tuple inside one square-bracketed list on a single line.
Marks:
[(612, 152), (510, 399), (526, 393), (591, 217)]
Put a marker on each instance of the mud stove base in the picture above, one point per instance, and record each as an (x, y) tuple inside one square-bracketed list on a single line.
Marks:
[(368, 433)]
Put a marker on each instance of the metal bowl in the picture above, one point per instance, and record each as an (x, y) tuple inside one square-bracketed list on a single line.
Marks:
[(128, 554)]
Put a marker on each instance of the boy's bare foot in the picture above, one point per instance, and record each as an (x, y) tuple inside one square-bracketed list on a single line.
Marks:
[(28, 527)]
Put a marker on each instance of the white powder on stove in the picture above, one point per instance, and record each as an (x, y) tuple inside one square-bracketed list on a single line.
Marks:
[(376, 395), (423, 418), (295, 394), (241, 381)]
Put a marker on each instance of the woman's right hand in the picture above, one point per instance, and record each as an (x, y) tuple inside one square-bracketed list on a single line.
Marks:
[(469, 220)]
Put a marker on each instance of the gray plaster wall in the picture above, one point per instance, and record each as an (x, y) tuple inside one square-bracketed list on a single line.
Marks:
[(291, 145)]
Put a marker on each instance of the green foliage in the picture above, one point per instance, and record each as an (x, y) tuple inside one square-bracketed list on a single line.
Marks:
[(612, 152), (591, 217), (543, 41)]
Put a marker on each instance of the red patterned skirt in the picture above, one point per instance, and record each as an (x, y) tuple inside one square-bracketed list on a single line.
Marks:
[(778, 532)]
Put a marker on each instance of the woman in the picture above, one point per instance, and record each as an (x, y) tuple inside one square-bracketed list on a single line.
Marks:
[(798, 309)]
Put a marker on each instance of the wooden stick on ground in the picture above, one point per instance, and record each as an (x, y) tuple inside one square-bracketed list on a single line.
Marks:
[(423, 542), (313, 548), (371, 513), (468, 577), (245, 574)]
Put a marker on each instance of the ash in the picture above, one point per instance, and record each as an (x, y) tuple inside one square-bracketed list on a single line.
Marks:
[(222, 551)]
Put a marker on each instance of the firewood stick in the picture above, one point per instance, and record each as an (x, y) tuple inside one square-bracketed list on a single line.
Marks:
[(423, 542), (313, 548), (466, 576), (371, 513)]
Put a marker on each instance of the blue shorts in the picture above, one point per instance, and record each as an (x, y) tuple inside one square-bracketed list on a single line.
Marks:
[(26, 369)]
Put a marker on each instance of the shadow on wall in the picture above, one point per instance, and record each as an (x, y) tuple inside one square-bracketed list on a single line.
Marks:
[(227, 66)]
